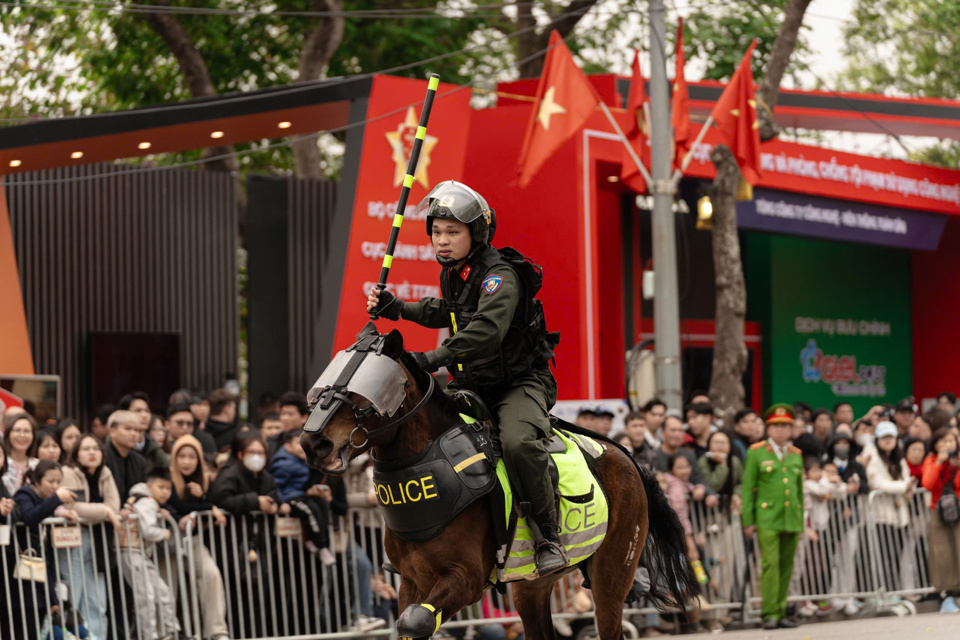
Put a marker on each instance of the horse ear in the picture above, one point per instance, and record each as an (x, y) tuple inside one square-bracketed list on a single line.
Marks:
[(368, 329), (393, 345)]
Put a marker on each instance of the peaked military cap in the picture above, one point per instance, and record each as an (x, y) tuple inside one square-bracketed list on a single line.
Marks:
[(780, 413)]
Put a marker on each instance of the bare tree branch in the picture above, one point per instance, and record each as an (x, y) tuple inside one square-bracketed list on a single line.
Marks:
[(783, 48), (531, 42), (319, 45)]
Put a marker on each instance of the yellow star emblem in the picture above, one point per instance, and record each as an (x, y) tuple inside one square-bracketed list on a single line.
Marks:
[(548, 108), (401, 141)]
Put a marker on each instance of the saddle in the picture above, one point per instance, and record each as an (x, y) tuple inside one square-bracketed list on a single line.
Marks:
[(420, 495)]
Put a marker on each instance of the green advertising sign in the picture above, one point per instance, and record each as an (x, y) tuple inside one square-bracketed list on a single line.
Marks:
[(839, 323)]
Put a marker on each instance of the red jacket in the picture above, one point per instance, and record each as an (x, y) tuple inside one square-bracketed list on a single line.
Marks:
[(936, 476)]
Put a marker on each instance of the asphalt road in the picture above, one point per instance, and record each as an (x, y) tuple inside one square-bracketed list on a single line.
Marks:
[(927, 626)]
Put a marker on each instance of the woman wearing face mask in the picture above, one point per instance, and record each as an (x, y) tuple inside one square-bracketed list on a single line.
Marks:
[(189, 496), (939, 470), (98, 502), (244, 487), (18, 442), (887, 471)]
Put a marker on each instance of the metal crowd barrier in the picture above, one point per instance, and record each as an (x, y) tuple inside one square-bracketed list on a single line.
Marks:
[(257, 577), (100, 578)]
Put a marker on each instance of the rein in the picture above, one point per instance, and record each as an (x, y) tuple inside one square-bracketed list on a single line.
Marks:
[(396, 424)]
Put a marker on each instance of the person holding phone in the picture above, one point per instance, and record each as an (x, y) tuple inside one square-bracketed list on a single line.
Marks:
[(940, 470)]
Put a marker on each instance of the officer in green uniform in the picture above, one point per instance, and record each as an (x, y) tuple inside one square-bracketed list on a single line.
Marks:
[(773, 508), (499, 346)]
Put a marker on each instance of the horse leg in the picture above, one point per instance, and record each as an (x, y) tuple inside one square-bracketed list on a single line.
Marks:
[(533, 604), (613, 566), (452, 592)]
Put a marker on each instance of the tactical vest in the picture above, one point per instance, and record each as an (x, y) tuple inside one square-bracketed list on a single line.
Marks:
[(527, 344)]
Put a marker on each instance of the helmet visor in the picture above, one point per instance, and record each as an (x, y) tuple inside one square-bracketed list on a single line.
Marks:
[(452, 200)]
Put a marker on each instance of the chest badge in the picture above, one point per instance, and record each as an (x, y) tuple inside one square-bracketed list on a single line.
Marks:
[(492, 283)]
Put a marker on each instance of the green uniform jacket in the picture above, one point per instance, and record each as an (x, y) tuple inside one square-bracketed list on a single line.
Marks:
[(487, 328), (773, 490)]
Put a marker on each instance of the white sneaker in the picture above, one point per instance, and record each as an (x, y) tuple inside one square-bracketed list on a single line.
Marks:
[(807, 610), (367, 623), (851, 608), (562, 627)]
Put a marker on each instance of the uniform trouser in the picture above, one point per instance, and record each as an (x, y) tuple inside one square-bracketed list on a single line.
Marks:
[(524, 424), (156, 609), (209, 582), (777, 550)]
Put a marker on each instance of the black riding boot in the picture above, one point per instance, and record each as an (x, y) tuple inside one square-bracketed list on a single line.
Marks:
[(549, 554)]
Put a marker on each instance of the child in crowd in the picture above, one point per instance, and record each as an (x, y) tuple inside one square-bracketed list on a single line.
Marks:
[(156, 610), (300, 495), (39, 498), (679, 491), (821, 484)]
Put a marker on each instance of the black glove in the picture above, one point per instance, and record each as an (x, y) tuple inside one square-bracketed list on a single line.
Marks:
[(388, 307), (427, 361)]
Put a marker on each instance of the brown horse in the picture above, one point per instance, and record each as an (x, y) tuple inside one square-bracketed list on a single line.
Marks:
[(451, 571)]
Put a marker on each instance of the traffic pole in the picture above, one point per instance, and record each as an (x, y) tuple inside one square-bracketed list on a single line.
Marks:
[(666, 305), (407, 182)]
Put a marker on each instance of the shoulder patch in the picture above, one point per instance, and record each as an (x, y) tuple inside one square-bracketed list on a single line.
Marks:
[(491, 283), (796, 450), (758, 445)]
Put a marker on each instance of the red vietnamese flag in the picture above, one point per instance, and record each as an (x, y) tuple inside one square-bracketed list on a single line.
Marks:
[(735, 116), (565, 100), (637, 133), (680, 115)]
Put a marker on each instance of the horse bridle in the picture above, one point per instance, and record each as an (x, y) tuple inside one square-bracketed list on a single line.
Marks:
[(338, 393)]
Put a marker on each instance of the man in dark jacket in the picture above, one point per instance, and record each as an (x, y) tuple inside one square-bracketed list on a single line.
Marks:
[(223, 416), (127, 465)]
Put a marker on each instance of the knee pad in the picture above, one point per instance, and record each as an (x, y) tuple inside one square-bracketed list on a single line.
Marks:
[(418, 621)]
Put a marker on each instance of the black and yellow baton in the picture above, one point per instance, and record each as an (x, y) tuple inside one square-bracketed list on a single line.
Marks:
[(407, 182)]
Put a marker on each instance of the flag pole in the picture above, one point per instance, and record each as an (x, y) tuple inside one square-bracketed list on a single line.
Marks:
[(678, 173), (407, 182), (626, 143)]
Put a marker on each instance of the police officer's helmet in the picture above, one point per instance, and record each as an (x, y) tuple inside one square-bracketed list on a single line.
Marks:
[(456, 201)]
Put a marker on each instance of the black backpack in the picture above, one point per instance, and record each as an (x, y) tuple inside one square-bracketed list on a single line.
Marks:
[(948, 506)]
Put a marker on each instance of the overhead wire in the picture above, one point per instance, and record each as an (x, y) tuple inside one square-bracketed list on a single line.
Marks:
[(286, 141), (296, 88), (139, 8)]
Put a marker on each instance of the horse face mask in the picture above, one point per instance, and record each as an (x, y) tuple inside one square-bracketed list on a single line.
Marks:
[(362, 370)]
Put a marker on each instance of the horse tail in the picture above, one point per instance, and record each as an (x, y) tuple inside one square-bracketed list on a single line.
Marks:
[(672, 583)]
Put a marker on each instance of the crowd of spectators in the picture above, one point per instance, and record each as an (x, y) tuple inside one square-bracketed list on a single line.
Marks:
[(197, 458), (132, 465), (892, 449)]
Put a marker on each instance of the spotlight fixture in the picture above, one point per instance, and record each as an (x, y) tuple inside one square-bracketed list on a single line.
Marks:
[(143, 146), (216, 134), (284, 125), (15, 163), (76, 155)]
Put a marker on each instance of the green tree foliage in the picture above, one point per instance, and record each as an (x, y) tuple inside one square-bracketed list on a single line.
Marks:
[(909, 47), (905, 46), (717, 35)]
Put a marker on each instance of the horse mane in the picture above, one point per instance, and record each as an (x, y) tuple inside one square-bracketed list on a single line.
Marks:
[(440, 408)]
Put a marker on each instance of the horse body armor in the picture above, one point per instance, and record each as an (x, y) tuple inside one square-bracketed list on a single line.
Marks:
[(421, 494)]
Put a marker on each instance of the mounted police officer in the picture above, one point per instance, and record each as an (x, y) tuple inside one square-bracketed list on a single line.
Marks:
[(499, 347)]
